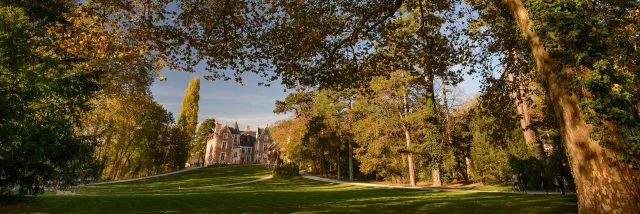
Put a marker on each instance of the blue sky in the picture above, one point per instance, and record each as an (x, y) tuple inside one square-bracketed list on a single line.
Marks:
[(228, 101), (225, 101)]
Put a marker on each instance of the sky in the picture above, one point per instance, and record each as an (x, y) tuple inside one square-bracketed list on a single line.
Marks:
[(225, 101), (229, 102)]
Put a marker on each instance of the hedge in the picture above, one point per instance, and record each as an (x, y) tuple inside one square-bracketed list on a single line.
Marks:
[(286, 171)]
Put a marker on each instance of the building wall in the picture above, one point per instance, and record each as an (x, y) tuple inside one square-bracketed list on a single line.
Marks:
[(215, 147), (245, 154), (260, 153)]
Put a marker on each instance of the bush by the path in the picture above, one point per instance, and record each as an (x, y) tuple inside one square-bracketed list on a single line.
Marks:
[(286, 171)]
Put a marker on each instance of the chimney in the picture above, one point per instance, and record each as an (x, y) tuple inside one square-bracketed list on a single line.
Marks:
[(218, 126), (248, 129)]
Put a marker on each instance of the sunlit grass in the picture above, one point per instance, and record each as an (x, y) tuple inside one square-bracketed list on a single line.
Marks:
[(297, 195), (196, 178)]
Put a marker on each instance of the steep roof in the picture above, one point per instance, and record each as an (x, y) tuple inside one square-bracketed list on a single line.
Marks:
[(234, 131), (235, 127), (247, 140)]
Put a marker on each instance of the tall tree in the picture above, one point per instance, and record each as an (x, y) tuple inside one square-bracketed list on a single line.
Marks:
[(188, 118), (187, 123), (394, 111), (601, 74), (43, 93)]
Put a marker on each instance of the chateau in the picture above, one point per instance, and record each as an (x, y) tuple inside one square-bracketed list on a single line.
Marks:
[(230, 145)]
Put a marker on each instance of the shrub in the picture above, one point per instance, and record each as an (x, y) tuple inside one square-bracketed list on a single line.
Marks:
[(286, 171)]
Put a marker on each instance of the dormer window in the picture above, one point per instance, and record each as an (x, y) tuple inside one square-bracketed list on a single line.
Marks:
[(225, 136)]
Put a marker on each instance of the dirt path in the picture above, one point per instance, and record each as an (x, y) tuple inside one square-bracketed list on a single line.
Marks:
[(328, 180)]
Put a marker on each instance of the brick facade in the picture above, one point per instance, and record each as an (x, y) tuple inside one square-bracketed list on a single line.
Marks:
[(264, 142), (229, 145)]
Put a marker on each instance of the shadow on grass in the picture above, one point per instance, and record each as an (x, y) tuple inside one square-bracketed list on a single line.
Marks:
[(299, 195), (16, 200), (200, 177)]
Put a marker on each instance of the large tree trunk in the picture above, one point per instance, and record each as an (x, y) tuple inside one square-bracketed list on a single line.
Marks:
[(435, 175), (601, 187), (525, 119), (467, 163), (323, 164), (350, 146), (338, 152), (350, 162), (412, 176), (407, 137)]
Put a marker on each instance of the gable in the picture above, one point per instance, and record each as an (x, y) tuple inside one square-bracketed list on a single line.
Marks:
[(224, 130)]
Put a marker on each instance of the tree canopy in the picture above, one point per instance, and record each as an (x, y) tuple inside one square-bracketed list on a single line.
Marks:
[(572, 63)]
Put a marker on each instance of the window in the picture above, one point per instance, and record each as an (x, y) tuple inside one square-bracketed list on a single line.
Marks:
[(224, 144), (248, 150), (264, 147), (242, 150), (222, 155), (266, 137), (248, 158), (235, 154), (225, 136)]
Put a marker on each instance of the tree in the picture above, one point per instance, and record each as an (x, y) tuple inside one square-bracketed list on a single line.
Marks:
[(188, 118), (187, 121), (597, 146), (198, 146), (395, 112), (43, 93), (585, 54)]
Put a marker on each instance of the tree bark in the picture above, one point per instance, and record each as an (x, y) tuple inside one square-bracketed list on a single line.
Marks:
[(407, 137), (412, 176), (435, 175), (322, 164), (338, 156), (467, 162), (350, 146), (525, 119), (601, 186), (350, 162)]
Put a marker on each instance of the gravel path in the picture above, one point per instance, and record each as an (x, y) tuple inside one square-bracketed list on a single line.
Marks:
[(328, 180), (142, 178)]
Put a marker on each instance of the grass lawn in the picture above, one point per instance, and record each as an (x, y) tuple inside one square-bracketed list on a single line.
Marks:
[(277, 196), (196, 178)]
